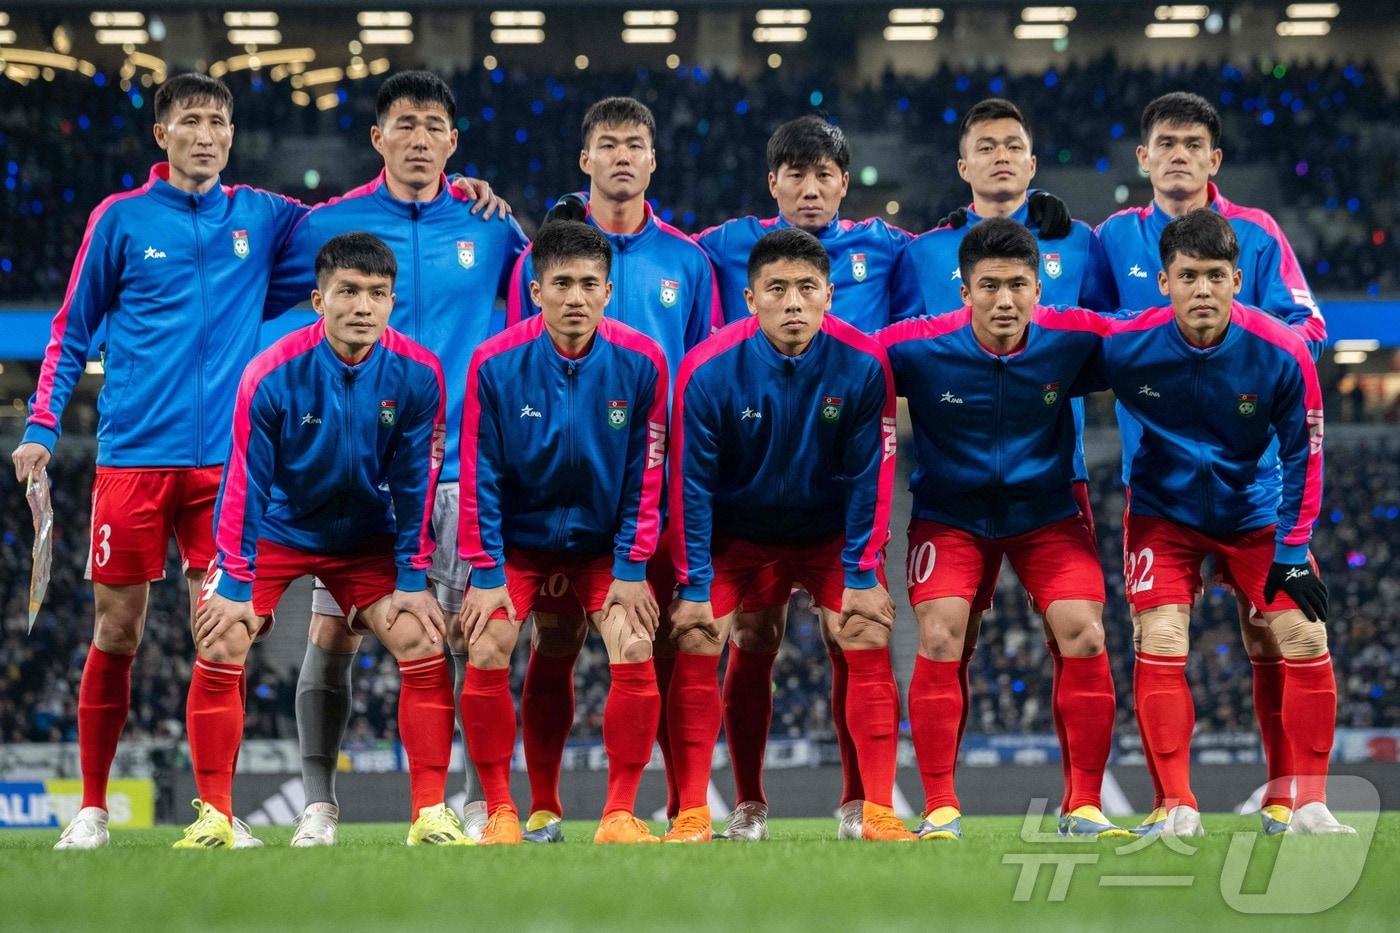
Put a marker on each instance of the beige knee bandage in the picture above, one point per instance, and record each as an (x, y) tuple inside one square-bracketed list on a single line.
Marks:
[(623, 644), (1298, 638), (1163, 630)]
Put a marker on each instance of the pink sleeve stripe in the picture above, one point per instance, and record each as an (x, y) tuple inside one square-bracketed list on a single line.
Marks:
[(469, 544), (853, 337), (1141, 212), (1077, 319), (1281, 336), (726, 338), (43, 413), (924, 327), (1289, 270), (396, 342), (1152, 317), (649, 509), (228, 534), (515, 309)]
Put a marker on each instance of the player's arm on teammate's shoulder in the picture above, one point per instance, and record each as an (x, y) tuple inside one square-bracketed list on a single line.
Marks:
[(294, 269), (519, 305), (487, 202)]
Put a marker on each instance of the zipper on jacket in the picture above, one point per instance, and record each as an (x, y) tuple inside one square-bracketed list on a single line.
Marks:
[(1202, 462), (348, 383), (203, 335), (999, 385), (620, 288), (571, 454), (789, 416), (417, 280)]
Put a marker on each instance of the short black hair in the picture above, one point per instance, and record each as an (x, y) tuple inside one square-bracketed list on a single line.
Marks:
[(618, 111), (1181, 108), (191, 88), (418, 87), (788, 243), (1201, 234), (997, 238), (805, 142), (564, 240), (984, 111), (363, 252)]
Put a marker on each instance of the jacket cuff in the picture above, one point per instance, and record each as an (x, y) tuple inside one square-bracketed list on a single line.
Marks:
[(694, 592), (629, 571), (410, 580), (38, 434), (861, 579), (488, 578), (240, 591), (1290, 553)]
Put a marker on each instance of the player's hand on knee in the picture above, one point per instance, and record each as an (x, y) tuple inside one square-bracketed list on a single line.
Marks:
[(873, 604), (478, 607), (218, 615), (688, 614), (636, 600), (488, 203), (1302, 584), (29, 459), (421, 605)]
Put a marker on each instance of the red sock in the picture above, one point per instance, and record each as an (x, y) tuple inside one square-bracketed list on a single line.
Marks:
[(694, 713), (1268, 710), (851, 787), (1086, 709), (214, 726), (546, 716), (665, 667), (1057, 677), (872, 714), (1138, 668), (934, 704), (104, 699), (1310, 719), (629, 731), (488, 716), (1167, 716), (748, 715), (426, 723), (965, 689)]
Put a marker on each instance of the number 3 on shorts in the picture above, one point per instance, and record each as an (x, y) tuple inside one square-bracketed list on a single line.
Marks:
[(1138, 574), (102, 545), (921, 562)]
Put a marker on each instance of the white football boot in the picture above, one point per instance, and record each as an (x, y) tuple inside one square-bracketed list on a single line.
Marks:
[(87, 831)]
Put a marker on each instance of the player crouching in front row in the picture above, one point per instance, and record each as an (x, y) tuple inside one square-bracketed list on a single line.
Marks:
[(337, 441)]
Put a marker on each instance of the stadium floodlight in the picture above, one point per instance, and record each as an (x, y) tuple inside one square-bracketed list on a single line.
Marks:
[(1040, 31), (1172, 30), (1294, 29), (650, 18), (294, 59), (903, 16), (322, 76), (254, 37), (1313, 10), (517, 18), (386, 36), (50, 60), (648, 36), (7, 36), (253, 20), (783, 17), (301, 98), (327, 101), (122, 37), (156, 66), (104, 20), (377, 66), (911, 33), (1349, 357), (384, 19), (779, 34), (1182, 11), (1364, 345), (4, 19), (1048, 14), (517, 36)]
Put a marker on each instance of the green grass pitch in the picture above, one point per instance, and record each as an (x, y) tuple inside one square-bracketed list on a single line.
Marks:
[(804, 879)]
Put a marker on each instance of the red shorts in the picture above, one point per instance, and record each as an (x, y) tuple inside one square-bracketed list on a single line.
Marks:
[(762, 576), (556, 595), (571, 585), (1162, 563), (1054, 562), (355, 581), (136, 510)]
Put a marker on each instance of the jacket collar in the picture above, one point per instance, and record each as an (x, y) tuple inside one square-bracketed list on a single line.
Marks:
[(379, 190), (783, 363), (564, 364), (624, 242), (1157, 218), (159, 187), (825, 233)]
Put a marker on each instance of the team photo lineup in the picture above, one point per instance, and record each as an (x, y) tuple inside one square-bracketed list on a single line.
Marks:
[(669, 435)]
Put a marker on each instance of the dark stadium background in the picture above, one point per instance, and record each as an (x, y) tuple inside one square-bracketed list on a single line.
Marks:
[(1312, 134)]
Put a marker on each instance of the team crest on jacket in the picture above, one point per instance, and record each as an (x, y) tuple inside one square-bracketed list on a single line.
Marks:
[(859, 268), (388, 412), (241, 249), (617, 414), (831, 408), (1248, 405), (466, 253), (670, 291), (1050, 393), (1053, 267)]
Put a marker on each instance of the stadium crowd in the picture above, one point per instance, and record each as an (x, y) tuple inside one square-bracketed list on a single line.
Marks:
[(1357, 543), (1319, 127)]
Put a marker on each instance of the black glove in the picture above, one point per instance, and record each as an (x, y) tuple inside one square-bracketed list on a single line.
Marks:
[(1048, 214), (1303, 586), (955, 219), (569, 207)]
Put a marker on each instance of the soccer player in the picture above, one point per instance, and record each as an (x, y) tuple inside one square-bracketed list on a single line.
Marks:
[(460, 263), (1213, 384), (781, 474), (1180, 153), (988, 389), (995, 159), (337, 439), (563, 456), (663, 286)]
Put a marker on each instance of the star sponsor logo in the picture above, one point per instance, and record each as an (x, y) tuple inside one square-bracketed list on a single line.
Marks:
[(528, 411), (948, 398), (1247, 404), (859, 267), (1053, 266), (956, 276), (617, 414), (1297, 573), (1050, 393), (309, 418), (1148, 391), (466, 254), (241, 249), (388, 413), (831, 408), (670, 292), (750, 413), (153, 253), (1137, 272)]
